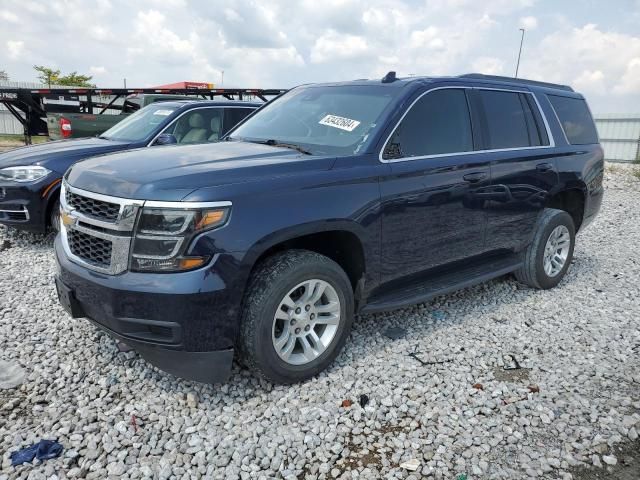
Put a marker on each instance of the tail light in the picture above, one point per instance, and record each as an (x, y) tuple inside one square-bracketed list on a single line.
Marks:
[(65, 128)]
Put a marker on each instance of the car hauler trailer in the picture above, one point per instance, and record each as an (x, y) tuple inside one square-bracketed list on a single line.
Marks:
[(31, 106)]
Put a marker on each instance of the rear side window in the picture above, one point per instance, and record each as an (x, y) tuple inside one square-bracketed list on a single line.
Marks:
[(510, 123), (233, 116), (437, 123), (575, 119)]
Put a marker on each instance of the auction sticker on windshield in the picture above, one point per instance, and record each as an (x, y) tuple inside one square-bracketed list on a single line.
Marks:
[(164, 113), (342, 123)]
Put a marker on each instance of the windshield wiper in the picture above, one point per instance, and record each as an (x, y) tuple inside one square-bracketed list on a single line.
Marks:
[(275, 143)]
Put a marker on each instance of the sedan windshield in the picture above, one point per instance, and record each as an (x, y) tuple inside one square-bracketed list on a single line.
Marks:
[(140, 125), (321, 120)]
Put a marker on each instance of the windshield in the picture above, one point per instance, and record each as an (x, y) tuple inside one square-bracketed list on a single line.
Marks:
[(139, 125), (322, 120)]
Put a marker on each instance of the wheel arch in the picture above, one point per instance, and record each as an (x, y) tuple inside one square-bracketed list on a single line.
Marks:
[(572, 200), (342, 241), (50, 195)]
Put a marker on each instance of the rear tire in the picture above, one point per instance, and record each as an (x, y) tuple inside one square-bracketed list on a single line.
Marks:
[(296, 317), (547, 259)]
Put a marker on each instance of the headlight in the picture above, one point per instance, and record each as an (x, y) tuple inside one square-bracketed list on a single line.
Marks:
[(29, 173), (163, 236)]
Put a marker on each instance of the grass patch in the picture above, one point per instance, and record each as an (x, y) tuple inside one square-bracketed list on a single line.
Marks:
[(7, 139)]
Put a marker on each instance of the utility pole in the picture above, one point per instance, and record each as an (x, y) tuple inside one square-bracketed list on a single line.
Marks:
[(221, 78), (519, 52), (125, 82)]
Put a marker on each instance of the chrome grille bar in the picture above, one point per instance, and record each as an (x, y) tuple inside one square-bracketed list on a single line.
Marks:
[(118, 232)]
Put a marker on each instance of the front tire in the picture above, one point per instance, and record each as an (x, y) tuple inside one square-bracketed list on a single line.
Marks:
[(297, 315), (54, 217), (547, 259)]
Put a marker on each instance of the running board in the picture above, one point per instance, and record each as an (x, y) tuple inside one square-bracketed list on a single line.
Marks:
[(443, 283)]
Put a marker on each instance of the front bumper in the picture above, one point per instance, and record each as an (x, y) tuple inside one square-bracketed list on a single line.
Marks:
[(183, 323), (24, 206)]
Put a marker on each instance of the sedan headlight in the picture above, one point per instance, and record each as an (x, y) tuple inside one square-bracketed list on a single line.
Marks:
[(29, 173), (163, 236)]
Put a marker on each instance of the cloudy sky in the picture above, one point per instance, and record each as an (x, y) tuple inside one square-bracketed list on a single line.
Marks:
[(592, 45)]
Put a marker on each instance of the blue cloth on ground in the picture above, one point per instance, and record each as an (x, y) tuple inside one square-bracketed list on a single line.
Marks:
[(43, 450)]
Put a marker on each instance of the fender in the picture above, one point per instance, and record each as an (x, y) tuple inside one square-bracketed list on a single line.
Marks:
[(297, 231)]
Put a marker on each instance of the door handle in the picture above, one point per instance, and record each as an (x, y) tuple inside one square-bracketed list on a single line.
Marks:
[(475, 177), (544, 167)]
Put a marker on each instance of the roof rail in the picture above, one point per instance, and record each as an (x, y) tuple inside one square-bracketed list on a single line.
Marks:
[(481, 76)]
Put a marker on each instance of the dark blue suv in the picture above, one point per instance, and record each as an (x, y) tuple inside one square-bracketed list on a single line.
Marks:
[(331, 201)]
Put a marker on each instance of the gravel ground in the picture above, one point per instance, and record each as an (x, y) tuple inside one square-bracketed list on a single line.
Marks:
[(451, 406)]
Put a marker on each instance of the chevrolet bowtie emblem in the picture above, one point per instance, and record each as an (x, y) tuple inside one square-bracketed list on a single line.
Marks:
[(67, 219)]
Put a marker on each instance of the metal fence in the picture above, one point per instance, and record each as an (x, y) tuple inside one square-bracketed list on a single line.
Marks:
[(619, 136)]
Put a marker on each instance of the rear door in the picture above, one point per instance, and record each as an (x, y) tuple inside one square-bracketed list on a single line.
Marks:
[(523, 169), (430, 215)]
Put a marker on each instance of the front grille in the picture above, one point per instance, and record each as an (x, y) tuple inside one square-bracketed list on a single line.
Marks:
[(93, 250), (91, 207), (16, 213), (17, 216)]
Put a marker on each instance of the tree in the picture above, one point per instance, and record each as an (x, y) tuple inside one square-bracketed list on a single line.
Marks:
[(3, 75), (49, 77), (74, 79)]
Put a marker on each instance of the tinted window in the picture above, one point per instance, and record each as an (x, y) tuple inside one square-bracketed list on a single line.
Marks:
[(539, 123), (506, 124), (233, 116), (575, 119), (438, 123)]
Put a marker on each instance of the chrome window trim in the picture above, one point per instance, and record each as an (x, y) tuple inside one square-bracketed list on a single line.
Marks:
[(211, 107), (552, 142)]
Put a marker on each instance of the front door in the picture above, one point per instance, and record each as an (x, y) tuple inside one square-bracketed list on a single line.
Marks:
[(431, 213)]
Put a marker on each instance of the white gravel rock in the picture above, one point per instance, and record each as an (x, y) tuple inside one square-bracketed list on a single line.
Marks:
[(573, 400)]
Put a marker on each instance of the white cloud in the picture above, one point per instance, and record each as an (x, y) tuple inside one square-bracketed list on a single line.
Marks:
[(427, 38), (151, 29), (15, 48), (8, 16), (333, 45), (597, 60), (488, 66), (630, 81), (590, 81), (97, 70), (529, 23)]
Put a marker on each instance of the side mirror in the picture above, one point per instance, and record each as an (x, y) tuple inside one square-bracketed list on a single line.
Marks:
[(165, 139)]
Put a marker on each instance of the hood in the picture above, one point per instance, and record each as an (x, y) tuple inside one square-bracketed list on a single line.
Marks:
[(170, 173), (59, 155)]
